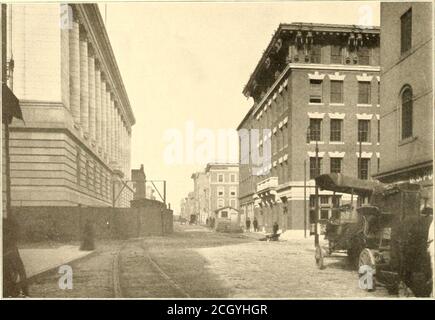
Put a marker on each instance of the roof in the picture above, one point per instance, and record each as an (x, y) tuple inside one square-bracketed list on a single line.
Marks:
[(345, 184), (217, 164), (226, 207), (301, 26)]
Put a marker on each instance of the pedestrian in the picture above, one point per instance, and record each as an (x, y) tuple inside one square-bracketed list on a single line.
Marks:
[(275, 228), (88, 237), (255, 223), (248, 224)]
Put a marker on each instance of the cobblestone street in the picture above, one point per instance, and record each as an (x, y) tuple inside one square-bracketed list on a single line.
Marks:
[(194, 262)]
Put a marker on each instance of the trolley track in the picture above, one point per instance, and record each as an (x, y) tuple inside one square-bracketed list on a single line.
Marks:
[(147, 262)]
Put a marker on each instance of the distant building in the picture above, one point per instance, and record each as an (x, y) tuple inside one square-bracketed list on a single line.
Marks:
[(201, 189), (150, 193), (224, 186), (407, 94), (74, 146), (318, 80), (138, 178)]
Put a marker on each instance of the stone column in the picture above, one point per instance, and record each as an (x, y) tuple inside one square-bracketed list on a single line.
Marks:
[(84, 85), (98, 108), (103, 117), (109, 130), (92, 108), (74, 69), (64, 67)]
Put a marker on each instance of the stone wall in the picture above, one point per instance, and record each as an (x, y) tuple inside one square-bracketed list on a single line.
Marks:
[(67, 223)]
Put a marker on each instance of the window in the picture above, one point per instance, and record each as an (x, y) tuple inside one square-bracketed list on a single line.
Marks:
[(335, 165), (363, 130), (324, 214), (324, 200), (407, 113), (336, 91), (233, 203), (315, 129), (336, 127), (315, 91), (379, 163), (363, 56), (316, 54), (363, 168), (220, 192), (224, 214), (336, 56), (313, 171), (220, 178), (379, 93), (379, 131), (336, 201), (233, 178), (364, 92), (233, 192), (406, 31), (220, 203)]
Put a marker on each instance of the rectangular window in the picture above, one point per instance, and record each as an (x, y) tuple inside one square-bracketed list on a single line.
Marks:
[(233, 178), (336, 56), (233, 203), (406, 31), (363, 130), (336, 91), (313, 171), (336, 128), (220, 203), (335, 165), (379, 131), (220, 192), (224, 214), (324, 214), (364, 92), (315, 91), (379, 93), (363, 168), (315, 129), (220, 178), (316, 54), (324, 200), (363, 56), (379, 163)]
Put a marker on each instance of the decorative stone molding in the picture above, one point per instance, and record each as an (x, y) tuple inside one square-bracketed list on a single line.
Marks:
[(336, 154), (274, 96), (280, 125), (365, 154), (378, 117), (336, 115), (312, 154), (336, 76), (316, 76), (364, 77), (316, 115), (364, 116), (285, 83), (378, 78), (378, 154), (285, 120), (274, 130), (274, 164), (269, 102), (280, 160), (285, 157)]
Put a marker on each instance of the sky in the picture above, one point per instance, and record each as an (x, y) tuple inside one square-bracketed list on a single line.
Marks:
[(184, 66)]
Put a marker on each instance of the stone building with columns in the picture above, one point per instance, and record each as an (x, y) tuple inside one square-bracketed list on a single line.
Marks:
[(74, 146), (315, 80)]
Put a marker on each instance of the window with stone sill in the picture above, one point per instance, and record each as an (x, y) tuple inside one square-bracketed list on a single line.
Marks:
[(407, 114), (315, 170), (315, 129), (336, 129), (406, 31), (336, 54), (363, 55), (363, 168), (363, 130), (316, 91), (336, 91), (335, 165), (364, 92)]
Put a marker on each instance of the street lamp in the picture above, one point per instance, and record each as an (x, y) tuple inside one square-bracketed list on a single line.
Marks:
[(317, 172)]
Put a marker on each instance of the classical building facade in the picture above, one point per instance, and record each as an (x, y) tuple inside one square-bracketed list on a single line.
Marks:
[(74, 146), (407, 94), (314, 84)]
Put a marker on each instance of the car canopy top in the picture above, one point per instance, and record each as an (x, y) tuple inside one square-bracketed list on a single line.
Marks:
[(339, 183)]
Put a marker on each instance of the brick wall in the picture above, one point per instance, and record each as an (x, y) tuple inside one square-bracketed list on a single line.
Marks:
[(67, 223)]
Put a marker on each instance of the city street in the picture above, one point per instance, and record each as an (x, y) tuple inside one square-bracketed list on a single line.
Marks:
[(195, 262)]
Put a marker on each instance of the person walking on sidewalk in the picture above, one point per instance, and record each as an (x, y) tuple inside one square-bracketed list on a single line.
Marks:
[(275, 228), (248, 224), (255, 223)]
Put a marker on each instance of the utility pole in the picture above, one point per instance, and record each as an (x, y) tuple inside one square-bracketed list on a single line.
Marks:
[(317, 209)]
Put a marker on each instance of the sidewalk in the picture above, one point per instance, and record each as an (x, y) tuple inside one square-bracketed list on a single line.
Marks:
[(37, 261)]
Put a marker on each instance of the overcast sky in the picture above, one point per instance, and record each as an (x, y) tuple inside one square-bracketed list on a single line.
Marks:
[(187, 63)]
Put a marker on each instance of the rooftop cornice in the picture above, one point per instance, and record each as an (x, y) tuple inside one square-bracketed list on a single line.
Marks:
[(91, 18), (284, 28)]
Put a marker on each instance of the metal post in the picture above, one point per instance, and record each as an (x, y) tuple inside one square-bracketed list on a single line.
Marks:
[(305, 198), (316, 218), (164, 191)]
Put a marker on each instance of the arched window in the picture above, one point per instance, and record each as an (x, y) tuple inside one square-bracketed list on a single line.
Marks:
[(407, 113)]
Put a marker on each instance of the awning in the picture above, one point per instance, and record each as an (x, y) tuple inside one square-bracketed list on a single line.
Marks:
[(344, 184), (10, 105)]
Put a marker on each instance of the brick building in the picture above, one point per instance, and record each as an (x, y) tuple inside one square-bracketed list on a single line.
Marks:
[(317, 80), (74, 146), (407, 94)]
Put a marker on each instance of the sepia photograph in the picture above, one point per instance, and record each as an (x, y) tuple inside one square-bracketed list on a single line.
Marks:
[(217, 150)]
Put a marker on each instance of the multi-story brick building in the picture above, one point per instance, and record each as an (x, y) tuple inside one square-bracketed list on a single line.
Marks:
[(317, 80), (407, 94), (74, 146), (224, 185)]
